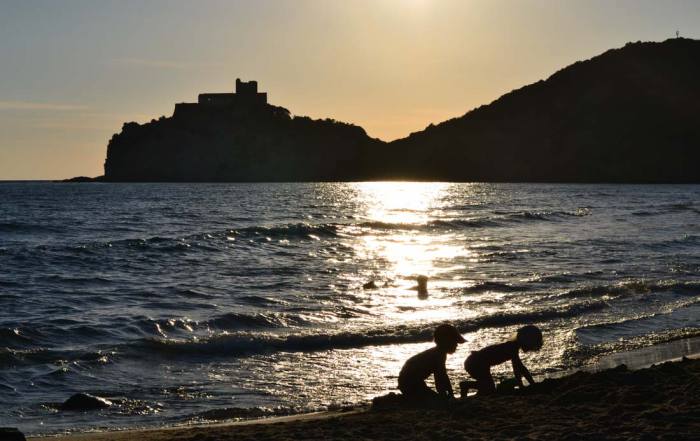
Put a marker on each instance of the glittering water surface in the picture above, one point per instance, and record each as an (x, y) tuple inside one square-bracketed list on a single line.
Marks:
[(185, 302)]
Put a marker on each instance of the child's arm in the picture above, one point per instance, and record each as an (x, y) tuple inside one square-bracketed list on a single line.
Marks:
[(442, 382), (520, 370)]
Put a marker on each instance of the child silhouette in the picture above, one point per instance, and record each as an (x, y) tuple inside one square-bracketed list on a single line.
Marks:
[(431, 361), (478, 364)]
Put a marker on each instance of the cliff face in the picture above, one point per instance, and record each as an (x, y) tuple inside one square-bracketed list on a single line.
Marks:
[(261, 143), (629, 115)]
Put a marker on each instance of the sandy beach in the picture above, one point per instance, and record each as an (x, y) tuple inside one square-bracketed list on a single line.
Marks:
[(660, 402)]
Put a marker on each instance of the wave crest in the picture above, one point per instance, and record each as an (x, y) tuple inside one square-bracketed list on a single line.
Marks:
[(250, 344)]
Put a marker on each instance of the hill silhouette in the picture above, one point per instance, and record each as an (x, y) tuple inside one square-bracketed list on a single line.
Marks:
[(627, 115)]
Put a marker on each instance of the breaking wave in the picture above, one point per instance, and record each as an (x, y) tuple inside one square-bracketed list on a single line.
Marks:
[(249, 344), (632, 287)]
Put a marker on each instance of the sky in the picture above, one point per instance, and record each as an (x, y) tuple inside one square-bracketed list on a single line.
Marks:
[(73, 71)]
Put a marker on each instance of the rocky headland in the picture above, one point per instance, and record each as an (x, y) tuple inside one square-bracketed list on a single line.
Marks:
[(628, 115), (237, 137)]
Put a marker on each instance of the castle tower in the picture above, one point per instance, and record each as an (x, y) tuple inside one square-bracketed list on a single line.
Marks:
[(247, 92)]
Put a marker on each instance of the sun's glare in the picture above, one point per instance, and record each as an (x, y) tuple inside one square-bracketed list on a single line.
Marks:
[(399, 235), (400, 202)]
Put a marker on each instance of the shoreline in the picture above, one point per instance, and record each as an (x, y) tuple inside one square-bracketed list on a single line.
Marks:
[(656, 357), (640, 358)]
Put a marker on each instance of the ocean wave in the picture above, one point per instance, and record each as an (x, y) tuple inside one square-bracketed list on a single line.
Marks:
[(681, 206), (685, 317), (13, 337), (7, 388), (300, 230), (25, 228), (236, 321), (663, 209), (261, 301), (12, 358), (632, 287), (688, 239), (487, 286), (222, 239), (54, 333), (213, 241), (239, 344), (497, 219), (556, 278), (520, 216), (190, 293), (463, 223), (78, 280), (502, 252), (231, 321), (440, 224), (645, 213)]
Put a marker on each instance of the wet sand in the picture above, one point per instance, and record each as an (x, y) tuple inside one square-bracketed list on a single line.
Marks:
[(660, 402)]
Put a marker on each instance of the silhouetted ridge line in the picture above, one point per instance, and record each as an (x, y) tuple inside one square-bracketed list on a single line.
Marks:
[(627, 115)]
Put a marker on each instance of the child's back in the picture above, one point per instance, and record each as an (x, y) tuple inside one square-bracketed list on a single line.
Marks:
[(478, 364), (498, 353), (418, 368)]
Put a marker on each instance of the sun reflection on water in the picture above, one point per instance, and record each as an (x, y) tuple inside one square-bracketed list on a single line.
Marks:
[(415, 250), (401, 202), (414, 247)]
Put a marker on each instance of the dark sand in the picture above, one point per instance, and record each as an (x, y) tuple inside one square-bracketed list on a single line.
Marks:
[(660, 402)]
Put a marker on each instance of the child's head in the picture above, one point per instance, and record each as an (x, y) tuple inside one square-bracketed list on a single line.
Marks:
[(447, 337), (529, 338)]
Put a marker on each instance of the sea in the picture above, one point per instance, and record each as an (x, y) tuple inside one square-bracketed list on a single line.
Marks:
[(194, 303)]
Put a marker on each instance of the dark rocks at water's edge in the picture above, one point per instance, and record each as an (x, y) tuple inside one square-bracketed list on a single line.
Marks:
[(84, 179), (629, 115), (11, 434), (83, 401)]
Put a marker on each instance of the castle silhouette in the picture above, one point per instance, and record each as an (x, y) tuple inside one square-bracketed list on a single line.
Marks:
[(245, 98)]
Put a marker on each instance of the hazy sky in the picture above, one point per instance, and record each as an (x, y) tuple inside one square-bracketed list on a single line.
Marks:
[(71, 72)]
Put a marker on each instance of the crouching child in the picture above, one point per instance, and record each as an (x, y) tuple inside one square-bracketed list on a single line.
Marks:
[(430, 362), (478, 364)]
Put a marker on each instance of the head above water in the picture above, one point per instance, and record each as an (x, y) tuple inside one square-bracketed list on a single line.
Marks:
[(529, 338), (447, 337), (422, 286)]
